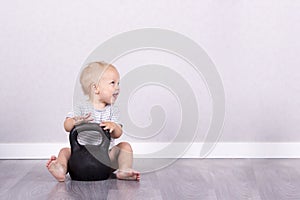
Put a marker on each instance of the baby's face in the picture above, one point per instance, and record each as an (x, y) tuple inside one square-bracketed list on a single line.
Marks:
[(109, 86)]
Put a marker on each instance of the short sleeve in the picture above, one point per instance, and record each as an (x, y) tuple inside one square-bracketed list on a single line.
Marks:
[(77, 111)]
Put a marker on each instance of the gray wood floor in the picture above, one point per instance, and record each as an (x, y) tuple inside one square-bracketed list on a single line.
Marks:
[(185, 179)]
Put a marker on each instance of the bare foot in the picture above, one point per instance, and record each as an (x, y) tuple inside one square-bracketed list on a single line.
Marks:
[(129, 174), (50, 160), (56, 169)]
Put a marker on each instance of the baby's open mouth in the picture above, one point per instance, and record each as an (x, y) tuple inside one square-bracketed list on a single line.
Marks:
[(115, 95)]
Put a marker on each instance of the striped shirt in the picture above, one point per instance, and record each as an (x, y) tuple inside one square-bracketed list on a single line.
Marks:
[(109, 113)]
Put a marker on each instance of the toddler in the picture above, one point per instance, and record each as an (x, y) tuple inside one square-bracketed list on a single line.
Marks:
[(100, 82)]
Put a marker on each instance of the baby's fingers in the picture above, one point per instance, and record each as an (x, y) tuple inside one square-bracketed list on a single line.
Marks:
[(88, 117), (105, 126), (77, 120)]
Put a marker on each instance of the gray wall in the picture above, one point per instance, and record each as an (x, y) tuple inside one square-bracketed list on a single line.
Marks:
[(254, 45)]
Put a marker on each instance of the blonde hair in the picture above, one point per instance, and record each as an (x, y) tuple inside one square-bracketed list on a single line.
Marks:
[(91, 75)]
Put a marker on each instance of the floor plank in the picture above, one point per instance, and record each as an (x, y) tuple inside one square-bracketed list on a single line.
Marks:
[(12, 171), (184, 180), (259, 179), (234, 179), (278, 179)]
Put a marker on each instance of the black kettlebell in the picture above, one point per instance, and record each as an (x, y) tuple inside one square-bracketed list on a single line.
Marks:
[(89, 162)]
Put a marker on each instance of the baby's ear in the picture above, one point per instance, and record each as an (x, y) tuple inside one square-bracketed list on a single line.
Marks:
[(95, 88)]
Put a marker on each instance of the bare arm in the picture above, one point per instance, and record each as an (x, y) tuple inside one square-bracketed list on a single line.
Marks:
[(69, 124)]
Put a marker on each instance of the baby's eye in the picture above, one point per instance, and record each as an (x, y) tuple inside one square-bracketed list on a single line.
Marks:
[(113, 83)]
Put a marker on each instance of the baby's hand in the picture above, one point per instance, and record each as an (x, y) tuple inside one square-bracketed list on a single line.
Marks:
[(111, 126), (83, 119)]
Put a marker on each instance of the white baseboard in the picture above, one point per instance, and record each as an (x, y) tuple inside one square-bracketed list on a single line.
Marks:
[(143, 150)]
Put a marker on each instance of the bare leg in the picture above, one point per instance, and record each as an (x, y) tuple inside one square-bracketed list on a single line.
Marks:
[(122, 158), (58, 166)]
